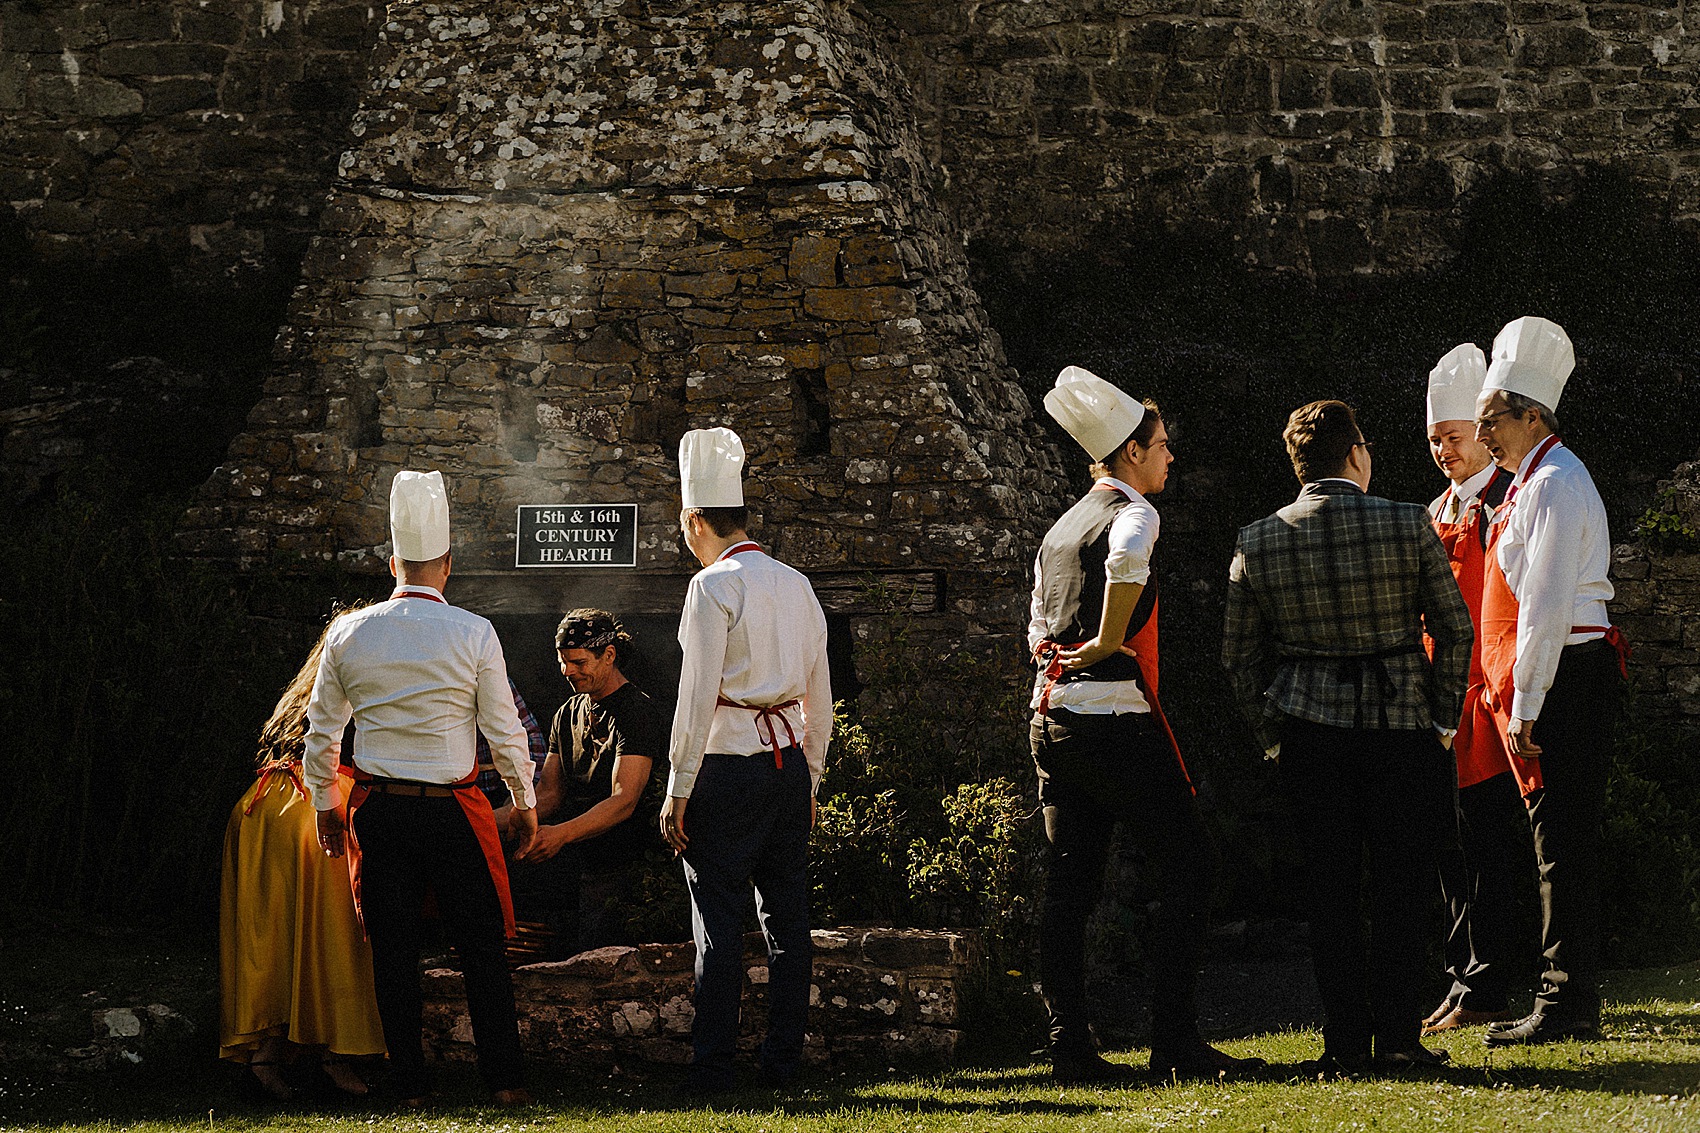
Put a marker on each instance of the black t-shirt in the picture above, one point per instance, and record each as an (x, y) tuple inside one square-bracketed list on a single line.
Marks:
[(589, 736)]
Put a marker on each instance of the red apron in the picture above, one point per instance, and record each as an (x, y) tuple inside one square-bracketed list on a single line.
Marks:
[(1141, 645), (1498, 633), (473, 804), (1478, 747)]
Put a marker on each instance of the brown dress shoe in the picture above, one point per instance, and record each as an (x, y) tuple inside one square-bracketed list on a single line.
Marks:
[(1203, 1063), (1464, 1017), (521, 1096), (1447, 1007)]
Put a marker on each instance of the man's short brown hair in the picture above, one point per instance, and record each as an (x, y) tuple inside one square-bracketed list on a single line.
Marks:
[(723, 521), (1320, 438)]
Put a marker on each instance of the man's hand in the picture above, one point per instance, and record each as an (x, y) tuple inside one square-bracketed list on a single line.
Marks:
[(547, 844), (331, 831), (1520, 738), (673, 823), (522, 827), (1086, 654)]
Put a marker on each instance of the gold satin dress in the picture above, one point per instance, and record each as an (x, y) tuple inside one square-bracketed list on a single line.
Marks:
[(293, 960)]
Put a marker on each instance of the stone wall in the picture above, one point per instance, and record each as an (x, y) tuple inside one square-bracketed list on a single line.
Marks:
[(200, 131), (1658, 607), (884, 996), (1329, 136), (570, 231)]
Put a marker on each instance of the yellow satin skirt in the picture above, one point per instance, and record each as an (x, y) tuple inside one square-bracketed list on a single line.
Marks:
[(293, 961)]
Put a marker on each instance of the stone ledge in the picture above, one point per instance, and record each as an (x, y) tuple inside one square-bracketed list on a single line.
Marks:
[(878, 996)]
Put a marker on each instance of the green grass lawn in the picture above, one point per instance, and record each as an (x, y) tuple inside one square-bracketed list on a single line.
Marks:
[(1646, 1076)]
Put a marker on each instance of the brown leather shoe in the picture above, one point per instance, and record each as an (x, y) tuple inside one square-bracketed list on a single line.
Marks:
[(1464, 1017), (1447, 1007), (521, 1096)]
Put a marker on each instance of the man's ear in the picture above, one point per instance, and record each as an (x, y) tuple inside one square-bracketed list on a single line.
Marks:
[(395, 567)]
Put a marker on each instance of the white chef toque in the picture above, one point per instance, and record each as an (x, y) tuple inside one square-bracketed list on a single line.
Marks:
[(1532, 356), (419, 516), (1096, 414), (1454, 384), (711, 467)]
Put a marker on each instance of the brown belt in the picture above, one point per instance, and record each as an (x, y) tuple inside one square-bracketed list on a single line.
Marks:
[(414, 790)]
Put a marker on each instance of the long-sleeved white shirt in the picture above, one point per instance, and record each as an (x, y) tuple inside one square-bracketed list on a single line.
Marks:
[(1461, 496), (752, 632), (1133, 539), (421, 679), (1555, 551)]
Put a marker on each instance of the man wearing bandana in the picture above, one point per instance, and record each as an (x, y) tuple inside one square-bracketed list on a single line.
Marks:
[(577, 876)]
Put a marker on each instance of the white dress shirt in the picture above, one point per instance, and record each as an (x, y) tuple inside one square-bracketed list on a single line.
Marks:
[(752, 632), (1462, 495), (1133, 538), (421, 679), (1555, 551)]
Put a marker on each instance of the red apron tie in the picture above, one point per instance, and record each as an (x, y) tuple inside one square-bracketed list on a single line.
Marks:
[(767, 714), (281, 767)]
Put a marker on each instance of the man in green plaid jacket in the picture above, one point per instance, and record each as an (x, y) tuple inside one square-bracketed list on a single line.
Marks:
[(1328, 600)]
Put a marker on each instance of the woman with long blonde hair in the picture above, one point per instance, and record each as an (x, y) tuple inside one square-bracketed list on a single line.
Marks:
[(295, 971)]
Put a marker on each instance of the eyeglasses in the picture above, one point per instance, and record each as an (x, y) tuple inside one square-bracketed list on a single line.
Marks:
[(1490, 421), (1367, 446)]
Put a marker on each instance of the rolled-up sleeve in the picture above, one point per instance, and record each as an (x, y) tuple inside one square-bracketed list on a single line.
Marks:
[(1133, 537)]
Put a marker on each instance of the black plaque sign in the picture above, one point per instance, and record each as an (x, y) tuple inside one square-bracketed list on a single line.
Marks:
[(577, 535)]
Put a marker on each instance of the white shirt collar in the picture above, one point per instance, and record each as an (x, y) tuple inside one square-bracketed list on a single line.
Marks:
[(1472, 487), (1121, 486), (1337, 480), (412, 589), (1526, 465)]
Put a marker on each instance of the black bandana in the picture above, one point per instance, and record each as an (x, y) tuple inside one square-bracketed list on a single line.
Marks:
[(589, 633)]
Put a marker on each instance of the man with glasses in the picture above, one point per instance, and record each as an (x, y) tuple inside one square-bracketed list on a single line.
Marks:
[(1552, 661), (1328, 600)]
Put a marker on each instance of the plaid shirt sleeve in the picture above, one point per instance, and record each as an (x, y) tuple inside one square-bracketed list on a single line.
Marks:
[(1247, 649), (489, 779)]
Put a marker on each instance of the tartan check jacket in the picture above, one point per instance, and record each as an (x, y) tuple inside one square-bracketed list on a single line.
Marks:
[(1328, 600)]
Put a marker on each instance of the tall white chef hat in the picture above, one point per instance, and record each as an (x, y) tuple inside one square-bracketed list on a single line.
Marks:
[(1454, 384), (1532, 356), (711, 467), (419, 516), (1096, 414)]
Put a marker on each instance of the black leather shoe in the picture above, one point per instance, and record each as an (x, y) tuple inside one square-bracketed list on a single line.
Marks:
[(1202, 1063), (1330, 1067), (1089, 1068), (1531, 1030), (1418, 1057)]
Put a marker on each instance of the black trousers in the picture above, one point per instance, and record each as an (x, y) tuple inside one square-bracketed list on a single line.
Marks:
[(409, 846), (1373, 801), (1097, 771), (1568, 814), (1480, 871)]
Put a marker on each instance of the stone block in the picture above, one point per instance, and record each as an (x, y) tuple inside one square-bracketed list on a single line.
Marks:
[(858, 304), (162, 59), (1354, 87), (1245, 85), (1466, 21), (814, 261), (900, 948), (709, 285), (1562, 45), (667, 957), (58, 96)]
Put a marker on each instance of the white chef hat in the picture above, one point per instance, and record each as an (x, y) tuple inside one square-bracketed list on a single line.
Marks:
[(711, 467), (419, 516), (1454, 384), (1532, 356), (1096, 414)]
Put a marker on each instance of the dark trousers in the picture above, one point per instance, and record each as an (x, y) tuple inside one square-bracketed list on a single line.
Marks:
[(409, 846), (584, 907), (748, 825), (1096, 771), (1567, 813), (1479, 873), (1368, 800)]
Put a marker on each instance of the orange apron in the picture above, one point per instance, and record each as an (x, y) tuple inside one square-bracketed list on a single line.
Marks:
[(1498, 633), (473, 804), (1478, 747), (1141, 645)]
